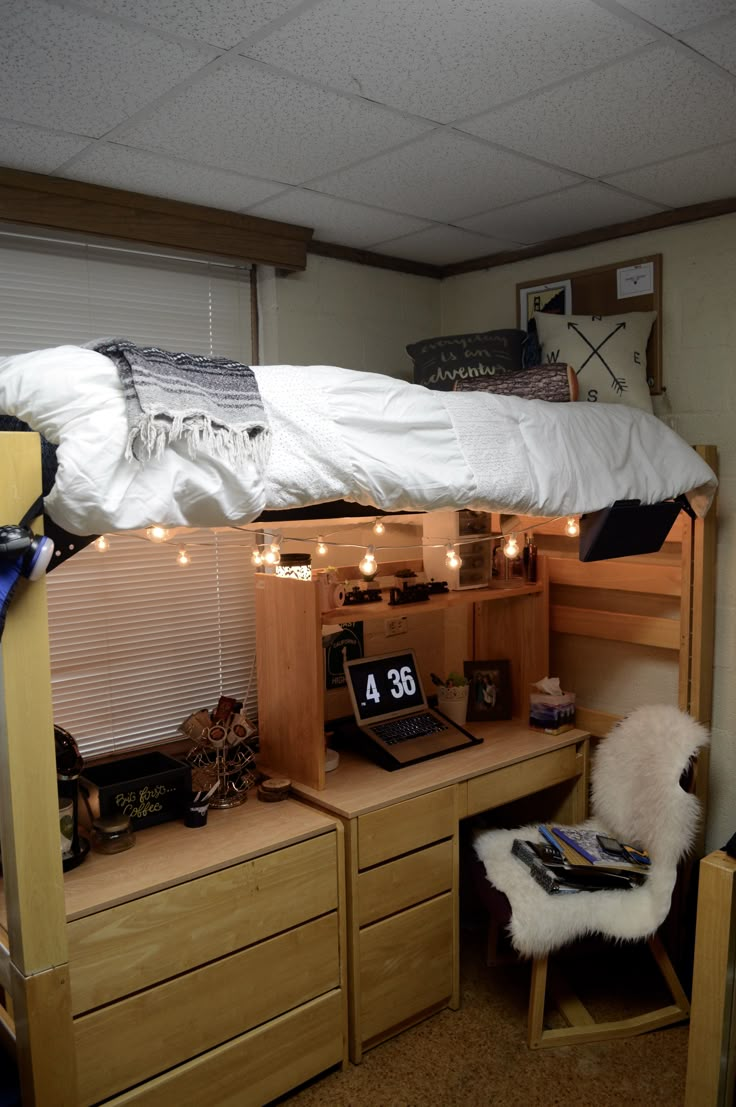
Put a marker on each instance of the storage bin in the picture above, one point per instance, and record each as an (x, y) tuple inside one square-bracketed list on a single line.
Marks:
[(150, 788)]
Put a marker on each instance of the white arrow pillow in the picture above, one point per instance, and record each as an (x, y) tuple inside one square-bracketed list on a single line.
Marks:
[(607, 352)]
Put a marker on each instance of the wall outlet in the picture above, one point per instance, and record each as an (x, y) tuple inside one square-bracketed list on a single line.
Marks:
[(398, 625)]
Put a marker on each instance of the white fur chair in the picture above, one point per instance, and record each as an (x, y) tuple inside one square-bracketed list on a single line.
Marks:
[(637, 797)]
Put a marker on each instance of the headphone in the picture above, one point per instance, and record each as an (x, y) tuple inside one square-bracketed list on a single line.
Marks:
[(28, 553)]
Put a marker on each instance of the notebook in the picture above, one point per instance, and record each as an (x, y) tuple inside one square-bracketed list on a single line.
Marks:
[(392, 713)]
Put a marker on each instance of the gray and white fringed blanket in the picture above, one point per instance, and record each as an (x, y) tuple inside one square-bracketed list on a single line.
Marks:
[(211, 403)]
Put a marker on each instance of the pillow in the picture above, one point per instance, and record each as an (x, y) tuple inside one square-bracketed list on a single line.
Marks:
[(440, 362), (607, 352), (555, 383)]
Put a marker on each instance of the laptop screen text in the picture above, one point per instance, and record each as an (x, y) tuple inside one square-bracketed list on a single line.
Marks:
[(385, 685)]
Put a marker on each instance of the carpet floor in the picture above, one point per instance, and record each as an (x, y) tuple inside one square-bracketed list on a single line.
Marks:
[(478, 1057)]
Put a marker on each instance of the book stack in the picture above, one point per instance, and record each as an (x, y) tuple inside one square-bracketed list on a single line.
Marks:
[(572, 859)]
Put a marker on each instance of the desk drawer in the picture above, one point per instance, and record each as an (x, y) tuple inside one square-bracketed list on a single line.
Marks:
[(405, 826), (391, 887), (255, 1068), (130, 947), (523, 779), (406, 965), (131, 1040)]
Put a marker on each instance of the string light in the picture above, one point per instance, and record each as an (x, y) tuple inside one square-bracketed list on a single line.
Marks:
[(378, 527), (272, 556), (102, 543), (452, 560), (321, 547), (183, 558), (511, 547), (572, 527), (157, 533), (367, 564), (256, 557)]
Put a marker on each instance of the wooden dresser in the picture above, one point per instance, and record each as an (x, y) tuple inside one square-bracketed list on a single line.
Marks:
[(206, 965)]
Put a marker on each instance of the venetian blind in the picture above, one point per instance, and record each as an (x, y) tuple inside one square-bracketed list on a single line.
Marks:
[(138, 641)]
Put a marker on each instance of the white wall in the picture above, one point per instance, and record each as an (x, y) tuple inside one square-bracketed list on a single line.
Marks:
[(699, 372), (340, 313)]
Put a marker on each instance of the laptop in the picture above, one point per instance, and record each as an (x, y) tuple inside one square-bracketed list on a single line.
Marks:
[(392, 713)]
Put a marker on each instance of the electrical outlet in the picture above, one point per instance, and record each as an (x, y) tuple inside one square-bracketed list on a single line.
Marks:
[(397, 625)]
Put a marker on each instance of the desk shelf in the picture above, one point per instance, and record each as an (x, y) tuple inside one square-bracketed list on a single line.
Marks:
[(509, 620)]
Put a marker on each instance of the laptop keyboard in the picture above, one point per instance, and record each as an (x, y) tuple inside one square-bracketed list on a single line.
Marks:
[(415, 726)]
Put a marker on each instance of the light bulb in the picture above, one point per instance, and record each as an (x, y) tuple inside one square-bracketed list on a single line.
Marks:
[(367, 565), (183, 558), (157, 533), (256, 557), (378, 527), (572, 527), (511, 548), (452, 560), (102, 543), (321, 547), (272, 556)]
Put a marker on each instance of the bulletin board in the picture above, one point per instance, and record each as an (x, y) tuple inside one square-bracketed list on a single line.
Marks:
[(633, 285)]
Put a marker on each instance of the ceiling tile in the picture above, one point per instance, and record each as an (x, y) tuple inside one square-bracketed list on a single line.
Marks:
[(447, 60), (220, 22), (576, 209), (675, 15), (444, 176), (244, 117), (72, 71), (336, 220), (139, 171), (649, 107), (717, 43), (691, 179), (443, 246), (35, 149)]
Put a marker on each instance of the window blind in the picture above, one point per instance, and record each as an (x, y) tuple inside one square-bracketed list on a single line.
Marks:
[(137, 640)]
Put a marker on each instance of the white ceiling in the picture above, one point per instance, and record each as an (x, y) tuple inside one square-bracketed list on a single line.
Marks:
[(431, 130)]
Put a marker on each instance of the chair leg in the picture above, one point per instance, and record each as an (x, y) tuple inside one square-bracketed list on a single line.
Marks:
[(583, 1028)]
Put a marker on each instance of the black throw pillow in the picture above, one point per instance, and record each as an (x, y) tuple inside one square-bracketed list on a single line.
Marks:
[(442, 362)]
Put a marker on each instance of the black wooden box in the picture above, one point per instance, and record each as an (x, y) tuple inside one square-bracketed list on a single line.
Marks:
[(150, 787)]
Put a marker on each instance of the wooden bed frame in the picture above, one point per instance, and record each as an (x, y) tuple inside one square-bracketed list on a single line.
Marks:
[(36, 1017)]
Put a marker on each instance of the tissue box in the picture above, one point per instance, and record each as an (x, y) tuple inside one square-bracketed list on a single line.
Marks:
[(554, 714)]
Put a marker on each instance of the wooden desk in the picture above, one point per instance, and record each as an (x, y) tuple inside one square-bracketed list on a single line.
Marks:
[(402, 856)]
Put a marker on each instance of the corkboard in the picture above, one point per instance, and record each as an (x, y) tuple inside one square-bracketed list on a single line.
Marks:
[(595, 292)]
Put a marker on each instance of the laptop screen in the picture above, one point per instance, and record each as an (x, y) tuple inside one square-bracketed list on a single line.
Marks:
[(384, 685)]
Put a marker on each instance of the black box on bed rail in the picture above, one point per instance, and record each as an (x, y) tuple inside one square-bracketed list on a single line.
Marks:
[(150, 787)]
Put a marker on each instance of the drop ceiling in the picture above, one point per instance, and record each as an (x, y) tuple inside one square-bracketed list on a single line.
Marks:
[(434, 131)]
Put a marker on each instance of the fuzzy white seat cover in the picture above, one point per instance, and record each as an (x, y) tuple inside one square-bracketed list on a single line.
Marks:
[(637, 798)]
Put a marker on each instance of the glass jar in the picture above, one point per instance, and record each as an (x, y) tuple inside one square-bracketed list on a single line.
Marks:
[(112, 834)]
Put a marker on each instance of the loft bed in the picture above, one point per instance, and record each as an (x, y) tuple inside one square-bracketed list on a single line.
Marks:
[(494, 453)]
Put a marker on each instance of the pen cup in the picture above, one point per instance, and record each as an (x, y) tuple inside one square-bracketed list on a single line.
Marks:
[(195, 813)]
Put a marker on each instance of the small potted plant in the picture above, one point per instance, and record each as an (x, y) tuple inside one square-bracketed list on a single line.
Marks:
[(452, 696)]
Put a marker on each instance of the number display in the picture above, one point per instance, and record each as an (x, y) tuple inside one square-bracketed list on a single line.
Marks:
[(402, 682)]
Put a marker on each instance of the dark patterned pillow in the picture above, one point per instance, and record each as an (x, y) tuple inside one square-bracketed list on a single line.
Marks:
[(441, 362), (555, 383)]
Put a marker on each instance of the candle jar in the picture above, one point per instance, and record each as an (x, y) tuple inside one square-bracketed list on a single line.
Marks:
[(112, 834)]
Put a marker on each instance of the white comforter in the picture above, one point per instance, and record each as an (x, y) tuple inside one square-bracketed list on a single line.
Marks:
[(342, 434)]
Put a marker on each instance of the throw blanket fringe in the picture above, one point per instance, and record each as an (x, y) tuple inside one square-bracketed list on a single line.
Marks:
[(212, 404)]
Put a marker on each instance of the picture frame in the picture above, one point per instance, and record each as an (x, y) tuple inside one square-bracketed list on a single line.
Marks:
[(489, 692), (555, 297)]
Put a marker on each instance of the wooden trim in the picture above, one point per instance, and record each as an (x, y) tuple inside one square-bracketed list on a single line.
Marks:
[(616, 626), (620, 575), (47, 1063), (377, 261), (693, 213), (711, 1053), (46, 201), (599, 723), (255, 337)]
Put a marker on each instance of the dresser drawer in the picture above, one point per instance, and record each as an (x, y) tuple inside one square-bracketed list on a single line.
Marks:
[(254, 1068), (131, 1040), (127, 948), (405, 826), (504, 785), (395, 885), (406, 966)]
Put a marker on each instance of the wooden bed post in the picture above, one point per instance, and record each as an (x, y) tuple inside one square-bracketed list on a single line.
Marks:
[(37, 968)]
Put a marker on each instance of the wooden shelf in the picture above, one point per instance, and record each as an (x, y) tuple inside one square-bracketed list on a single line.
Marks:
[(438, 602)]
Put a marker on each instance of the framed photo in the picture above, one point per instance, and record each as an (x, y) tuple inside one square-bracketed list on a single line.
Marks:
[(489, 694), (555, 298)]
